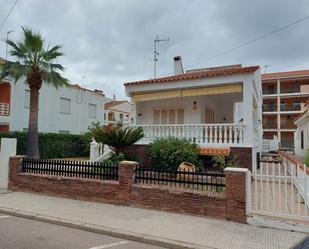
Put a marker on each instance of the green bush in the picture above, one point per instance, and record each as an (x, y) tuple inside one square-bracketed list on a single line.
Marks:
[(307, 158), (222, 162), (53, 145), (169, 153)]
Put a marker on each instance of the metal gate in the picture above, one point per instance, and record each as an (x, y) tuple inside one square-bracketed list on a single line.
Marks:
[(280, 190)]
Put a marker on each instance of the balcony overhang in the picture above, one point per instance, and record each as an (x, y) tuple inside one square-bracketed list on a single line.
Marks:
[(226, 89)]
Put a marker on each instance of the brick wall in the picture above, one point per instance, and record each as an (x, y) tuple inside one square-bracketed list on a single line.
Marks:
[(244, 156), (229, 205), (140, 151)]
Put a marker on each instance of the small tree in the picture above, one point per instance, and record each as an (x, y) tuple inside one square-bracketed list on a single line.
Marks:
[(118, 137)]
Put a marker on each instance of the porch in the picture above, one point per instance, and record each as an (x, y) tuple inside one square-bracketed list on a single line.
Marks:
[(202, 134)]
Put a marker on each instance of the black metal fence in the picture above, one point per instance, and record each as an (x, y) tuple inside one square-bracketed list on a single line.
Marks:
[(210, 180), (79, 169)]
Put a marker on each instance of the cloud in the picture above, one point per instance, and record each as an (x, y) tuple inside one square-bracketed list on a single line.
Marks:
[(110, 42)]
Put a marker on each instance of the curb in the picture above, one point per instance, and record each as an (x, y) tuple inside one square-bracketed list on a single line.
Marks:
[(143, 238)]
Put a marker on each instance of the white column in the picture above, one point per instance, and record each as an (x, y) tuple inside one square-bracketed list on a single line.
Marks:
[(94, 153), (8, 149), (248, 112)]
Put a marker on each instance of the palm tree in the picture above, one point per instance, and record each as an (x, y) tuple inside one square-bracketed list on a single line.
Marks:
[(34, 63)]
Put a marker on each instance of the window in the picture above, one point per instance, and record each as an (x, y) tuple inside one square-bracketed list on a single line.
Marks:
[(65, 106), (121, 117), (302, 140), (27, 99), (64, 132), (132, 120), (171, 116), (92, 111), (104, 116)]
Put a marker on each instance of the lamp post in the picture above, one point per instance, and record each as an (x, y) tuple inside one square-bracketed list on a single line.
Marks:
[(6, 50)]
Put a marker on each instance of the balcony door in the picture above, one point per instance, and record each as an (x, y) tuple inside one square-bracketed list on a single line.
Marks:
[(168, 116)]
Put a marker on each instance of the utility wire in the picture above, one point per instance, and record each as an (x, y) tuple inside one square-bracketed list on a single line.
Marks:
[(252, 41), (9, 13)]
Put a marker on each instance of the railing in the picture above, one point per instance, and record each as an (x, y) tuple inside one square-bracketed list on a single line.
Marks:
[(229, 134), (269, 91), (4, 109), (99, 151), (79, 169), (203, 181), (269, 108), (288, 125), (295, 89), (269, 125)]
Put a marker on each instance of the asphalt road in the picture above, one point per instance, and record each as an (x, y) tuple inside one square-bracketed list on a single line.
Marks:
[(20, 233)]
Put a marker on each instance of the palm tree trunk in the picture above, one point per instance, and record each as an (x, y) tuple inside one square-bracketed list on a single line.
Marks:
[(33, 140)]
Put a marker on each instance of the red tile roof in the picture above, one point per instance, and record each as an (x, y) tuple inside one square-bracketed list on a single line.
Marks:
[(114, 102), (198, 75), (286, 74)]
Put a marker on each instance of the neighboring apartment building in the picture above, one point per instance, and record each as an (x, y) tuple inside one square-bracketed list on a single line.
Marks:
[(63, 110), (284, 95), (119, 112), (302, 132)]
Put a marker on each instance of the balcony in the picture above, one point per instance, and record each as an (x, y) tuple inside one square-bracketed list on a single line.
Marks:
[(4, 109), (290, 107), (269, 108), (210, 134), (288, 125), (270, 125), (292, 89), (269, 91)]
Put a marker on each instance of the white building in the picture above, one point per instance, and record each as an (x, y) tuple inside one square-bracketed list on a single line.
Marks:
[(215, 107), (65, 110), (119, 112), (302, 132)]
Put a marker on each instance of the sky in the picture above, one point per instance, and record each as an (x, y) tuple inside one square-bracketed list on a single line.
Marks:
[(109, 42)]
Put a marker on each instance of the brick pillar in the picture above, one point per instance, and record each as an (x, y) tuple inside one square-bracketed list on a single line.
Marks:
[(126, 175), (14, 168), (236, 190)]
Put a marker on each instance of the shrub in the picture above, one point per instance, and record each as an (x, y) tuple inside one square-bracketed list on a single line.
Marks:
[(307, 158), (169, 153), (52, 145), (222, 162)]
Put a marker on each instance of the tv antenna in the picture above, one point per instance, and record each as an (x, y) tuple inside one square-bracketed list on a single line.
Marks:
[(265, 68), (156, 53)]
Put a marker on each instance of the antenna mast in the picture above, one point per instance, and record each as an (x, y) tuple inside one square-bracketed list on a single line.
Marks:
[(156, 53)]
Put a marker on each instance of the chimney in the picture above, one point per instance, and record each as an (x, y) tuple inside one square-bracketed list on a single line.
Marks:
[(178, 69)]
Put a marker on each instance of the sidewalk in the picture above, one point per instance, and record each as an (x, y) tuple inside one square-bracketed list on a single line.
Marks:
[(155, 227)]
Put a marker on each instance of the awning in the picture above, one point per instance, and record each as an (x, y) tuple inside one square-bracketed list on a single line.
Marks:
[(156, 96), (212, 90), (213, 151), (237, 88)]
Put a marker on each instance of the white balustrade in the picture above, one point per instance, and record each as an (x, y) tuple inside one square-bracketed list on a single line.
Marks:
[(225, 134), (4, 109)]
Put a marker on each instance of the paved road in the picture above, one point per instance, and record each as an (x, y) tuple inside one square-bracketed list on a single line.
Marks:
[(20, 233)]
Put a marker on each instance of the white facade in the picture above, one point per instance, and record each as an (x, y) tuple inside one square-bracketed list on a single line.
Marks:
[(302, 133), (119, 112), (224, 115), (66, 109)]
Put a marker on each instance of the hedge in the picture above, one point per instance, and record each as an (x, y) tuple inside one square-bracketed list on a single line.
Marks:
[(53, 145)]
